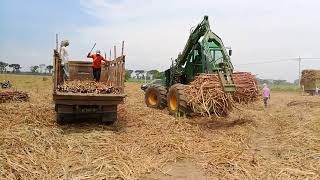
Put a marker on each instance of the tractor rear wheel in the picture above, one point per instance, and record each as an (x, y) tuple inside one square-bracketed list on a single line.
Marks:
[(177, 101), (155, 96)]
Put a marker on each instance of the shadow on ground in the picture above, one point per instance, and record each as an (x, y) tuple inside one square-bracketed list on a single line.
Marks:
[(223, 123), (83, 125)]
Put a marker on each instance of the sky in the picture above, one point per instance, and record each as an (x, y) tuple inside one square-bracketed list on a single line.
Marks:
[(155, 31)]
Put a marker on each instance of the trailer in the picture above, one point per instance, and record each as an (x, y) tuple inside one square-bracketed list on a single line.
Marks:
[(75, 106), (310, 81)]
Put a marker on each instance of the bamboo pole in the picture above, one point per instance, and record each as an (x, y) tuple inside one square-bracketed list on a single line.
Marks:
[(110, 55), (123, 72), (115, 52), (55, 72), (115, 69), (57, 43), (122, 46)]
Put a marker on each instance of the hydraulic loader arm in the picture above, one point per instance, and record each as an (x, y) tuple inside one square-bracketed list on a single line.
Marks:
[(201, 54), (200, 30)]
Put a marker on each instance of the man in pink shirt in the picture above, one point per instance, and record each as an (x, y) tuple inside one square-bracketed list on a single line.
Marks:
[(265, 94)]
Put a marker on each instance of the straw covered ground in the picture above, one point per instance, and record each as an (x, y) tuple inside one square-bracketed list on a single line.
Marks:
[(280, 142)]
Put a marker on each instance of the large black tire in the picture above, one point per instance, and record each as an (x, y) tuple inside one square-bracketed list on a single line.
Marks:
[(109, 118), (155, 96), (59, 119), (64, 118), (177, 101)]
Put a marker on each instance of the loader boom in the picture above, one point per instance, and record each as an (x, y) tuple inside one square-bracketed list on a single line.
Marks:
[(204, 52), (194, 37)]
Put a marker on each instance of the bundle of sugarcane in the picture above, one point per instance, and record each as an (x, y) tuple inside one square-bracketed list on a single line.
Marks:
[(246, 87), (8, 96), (309, 76), (87, 86), (206, 96)]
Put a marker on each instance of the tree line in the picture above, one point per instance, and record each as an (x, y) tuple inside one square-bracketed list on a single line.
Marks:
[(142, 74), (43, 68), (15, 68)]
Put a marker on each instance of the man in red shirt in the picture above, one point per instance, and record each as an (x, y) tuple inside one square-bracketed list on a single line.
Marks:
[(96, 64)]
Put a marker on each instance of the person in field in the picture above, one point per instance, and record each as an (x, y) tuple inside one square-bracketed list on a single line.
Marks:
[(96, 64), (65, 58), (265, 94)]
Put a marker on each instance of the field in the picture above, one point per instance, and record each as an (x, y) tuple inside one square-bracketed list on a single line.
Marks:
[(285, 87), (280, 142)]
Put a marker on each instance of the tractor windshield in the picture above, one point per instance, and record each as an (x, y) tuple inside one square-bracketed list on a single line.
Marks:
[(216, 51), (217, 56)]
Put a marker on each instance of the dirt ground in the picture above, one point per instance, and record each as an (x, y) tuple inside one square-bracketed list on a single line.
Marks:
[(280, 142)]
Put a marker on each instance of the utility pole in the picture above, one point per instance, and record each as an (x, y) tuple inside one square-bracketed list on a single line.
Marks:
[(299, 70)]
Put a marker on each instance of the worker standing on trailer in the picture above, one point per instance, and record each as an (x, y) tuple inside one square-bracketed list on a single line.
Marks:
[(265, 94), (96, 64), (65, 58)]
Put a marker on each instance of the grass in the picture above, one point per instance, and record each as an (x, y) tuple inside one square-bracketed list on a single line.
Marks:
[(316, 125), (20, 80), (280, 142), (285, 87), (140, 81), (30, 82)]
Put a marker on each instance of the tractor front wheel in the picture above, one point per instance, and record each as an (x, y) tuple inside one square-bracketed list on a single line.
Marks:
[(177, 101), (155, 96)]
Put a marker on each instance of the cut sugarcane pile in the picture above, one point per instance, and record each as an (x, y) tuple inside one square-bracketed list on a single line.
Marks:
[(246, 87), (206, 96), (145, 143), (8, 96), (86, 87)]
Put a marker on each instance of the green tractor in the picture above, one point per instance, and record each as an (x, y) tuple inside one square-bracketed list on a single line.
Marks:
[(204, 53)]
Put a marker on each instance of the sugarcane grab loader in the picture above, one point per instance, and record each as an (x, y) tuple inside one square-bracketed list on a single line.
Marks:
[(204, 53)]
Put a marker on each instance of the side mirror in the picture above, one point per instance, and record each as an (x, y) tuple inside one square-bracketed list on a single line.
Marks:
[(230, 52)]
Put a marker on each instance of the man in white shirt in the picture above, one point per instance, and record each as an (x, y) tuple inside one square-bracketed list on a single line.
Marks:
[(65, 58)]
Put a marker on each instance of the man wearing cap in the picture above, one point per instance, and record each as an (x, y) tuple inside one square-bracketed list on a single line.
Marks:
[(96, 64)]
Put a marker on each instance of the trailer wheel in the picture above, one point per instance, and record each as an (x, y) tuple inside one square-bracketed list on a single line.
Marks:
[(109, 118), (155, 96), (177, 101), (60, 119)]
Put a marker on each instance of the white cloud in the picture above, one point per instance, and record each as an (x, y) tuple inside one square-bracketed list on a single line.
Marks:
[(155, 31)]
